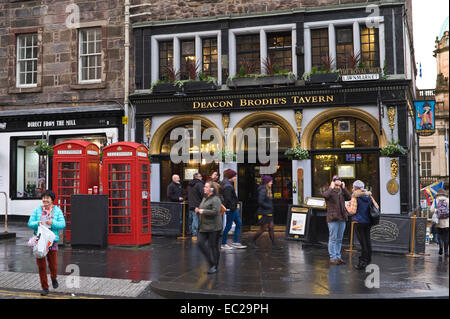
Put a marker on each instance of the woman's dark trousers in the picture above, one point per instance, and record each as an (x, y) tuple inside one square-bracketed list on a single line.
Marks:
[(209, 244), (443, 239), (363, 235)]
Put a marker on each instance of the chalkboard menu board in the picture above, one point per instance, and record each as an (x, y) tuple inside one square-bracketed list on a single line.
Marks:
[(297, 224), (166, 218), (394, 234)]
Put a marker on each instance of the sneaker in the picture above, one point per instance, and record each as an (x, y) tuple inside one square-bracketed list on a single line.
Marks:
[(55, 284), (212, 270), (238, 245), (226, 246), (44, 292), (341, 262)]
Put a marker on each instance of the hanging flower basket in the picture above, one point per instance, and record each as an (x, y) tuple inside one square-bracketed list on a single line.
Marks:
[(226, 155), (297, 153), (43, 149), (393, 149)]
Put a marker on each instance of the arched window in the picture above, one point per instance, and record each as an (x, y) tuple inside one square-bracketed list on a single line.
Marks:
[(348, 147), (344, 132)]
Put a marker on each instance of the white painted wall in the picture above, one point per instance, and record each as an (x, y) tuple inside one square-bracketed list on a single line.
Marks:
[(24, 207), (389, 204)]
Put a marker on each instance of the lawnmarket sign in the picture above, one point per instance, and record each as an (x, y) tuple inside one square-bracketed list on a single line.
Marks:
[(360, 74)]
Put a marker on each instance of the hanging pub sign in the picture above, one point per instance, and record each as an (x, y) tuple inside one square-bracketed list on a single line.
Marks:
[(425, 120)]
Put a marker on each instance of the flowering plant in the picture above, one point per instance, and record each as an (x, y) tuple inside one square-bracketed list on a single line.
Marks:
[(226, 155), (297, 153), (393, 149), (43, 148)]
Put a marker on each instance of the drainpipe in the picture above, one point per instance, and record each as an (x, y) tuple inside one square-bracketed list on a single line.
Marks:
[(127, 64)]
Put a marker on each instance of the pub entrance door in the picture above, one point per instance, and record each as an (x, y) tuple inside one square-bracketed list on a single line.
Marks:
[(249, 179)]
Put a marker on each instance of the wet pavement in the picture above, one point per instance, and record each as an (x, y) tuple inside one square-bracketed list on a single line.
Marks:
[(171, 268)]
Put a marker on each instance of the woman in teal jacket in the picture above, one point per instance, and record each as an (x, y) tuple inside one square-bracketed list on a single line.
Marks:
[(49, 216)]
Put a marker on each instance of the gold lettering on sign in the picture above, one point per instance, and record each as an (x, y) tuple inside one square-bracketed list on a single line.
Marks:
[(213, 104)]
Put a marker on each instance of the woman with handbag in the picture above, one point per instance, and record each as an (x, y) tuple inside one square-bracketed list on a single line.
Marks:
[(359, 207), (50, 216), (210, 225)]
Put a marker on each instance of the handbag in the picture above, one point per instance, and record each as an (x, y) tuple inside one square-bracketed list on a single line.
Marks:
[(223, 209), (374, 214)]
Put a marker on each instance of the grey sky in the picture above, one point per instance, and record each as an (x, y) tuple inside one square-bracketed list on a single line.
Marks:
[(428, 17)]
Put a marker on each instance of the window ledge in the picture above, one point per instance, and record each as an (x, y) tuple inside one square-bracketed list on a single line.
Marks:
[(88, 86), (18, 90)]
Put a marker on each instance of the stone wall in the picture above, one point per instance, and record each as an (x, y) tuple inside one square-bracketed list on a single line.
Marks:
[(58, 51), (186, 9)]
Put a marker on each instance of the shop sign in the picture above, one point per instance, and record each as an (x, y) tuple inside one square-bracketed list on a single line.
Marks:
[(360, 74), (51, 123), (425, 119), (263, 102)]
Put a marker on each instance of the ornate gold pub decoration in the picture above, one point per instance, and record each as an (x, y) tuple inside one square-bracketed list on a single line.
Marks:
[(298, 121), (147, 126), (392, 186)]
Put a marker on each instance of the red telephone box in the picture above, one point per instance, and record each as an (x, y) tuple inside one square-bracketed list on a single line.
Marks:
[(126, 181), (75, 170)]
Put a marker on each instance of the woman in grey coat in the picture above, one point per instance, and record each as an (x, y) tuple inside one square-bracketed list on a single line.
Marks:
[(210, 225)]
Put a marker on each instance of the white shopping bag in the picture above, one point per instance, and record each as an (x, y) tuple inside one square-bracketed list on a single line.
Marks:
[(45, 238)]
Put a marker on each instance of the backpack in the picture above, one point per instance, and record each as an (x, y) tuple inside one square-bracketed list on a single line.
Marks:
[(442, 209)]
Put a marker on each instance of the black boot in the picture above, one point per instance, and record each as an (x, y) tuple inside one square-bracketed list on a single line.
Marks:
[(55, 284), (44, 292)]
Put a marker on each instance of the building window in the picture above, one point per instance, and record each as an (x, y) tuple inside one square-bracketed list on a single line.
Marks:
[(344, 46), (248, 54), (165, 58), (209, 59), (27, 50), (90, 55), (369, 47), (187, 56), (319, 46), (425, 160), (31, 170), (279, 46)]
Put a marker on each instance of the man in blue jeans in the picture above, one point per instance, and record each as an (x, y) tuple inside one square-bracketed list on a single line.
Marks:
[(230, 201), (195, 196), (335, 197)]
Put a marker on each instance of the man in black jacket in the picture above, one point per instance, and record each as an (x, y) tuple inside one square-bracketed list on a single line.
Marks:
[(195, 196), (174, 190), (230, 201)]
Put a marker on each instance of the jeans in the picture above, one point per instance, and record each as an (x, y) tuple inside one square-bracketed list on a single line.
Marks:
[(232, 216), (363, 234), (336, 232), (193, 221), (209, 246)]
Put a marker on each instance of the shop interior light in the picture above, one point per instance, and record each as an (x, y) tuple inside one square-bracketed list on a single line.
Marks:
[(347, 144)]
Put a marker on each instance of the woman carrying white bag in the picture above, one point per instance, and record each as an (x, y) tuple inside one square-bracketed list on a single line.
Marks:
[(51, 217)]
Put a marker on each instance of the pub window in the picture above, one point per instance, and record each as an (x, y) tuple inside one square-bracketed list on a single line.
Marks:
[(90, 53), (165, 58), (279, 46), (27, 50), (425, 160), (209, 52), (31, 170), (344, 46), (248, 54), (369, 47), (319, 46), (187, 55)]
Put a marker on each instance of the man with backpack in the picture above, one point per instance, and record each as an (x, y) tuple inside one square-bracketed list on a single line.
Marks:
[(440, 209)]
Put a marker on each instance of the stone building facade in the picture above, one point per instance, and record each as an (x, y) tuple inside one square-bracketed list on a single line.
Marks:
[(434, 148), (61, 78)]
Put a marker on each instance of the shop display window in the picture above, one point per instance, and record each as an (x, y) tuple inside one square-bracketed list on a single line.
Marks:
[(31, 170)]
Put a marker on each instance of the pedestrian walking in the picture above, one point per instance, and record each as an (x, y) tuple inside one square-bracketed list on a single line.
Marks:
[(50, 216), (230, 201), (359, 207), (215, 177), (195, 196), (210, 226), (175, 190), (335, 197), (265, 211), (441, 210)]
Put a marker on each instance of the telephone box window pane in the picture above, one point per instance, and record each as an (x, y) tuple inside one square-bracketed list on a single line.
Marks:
[(119, 198)]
